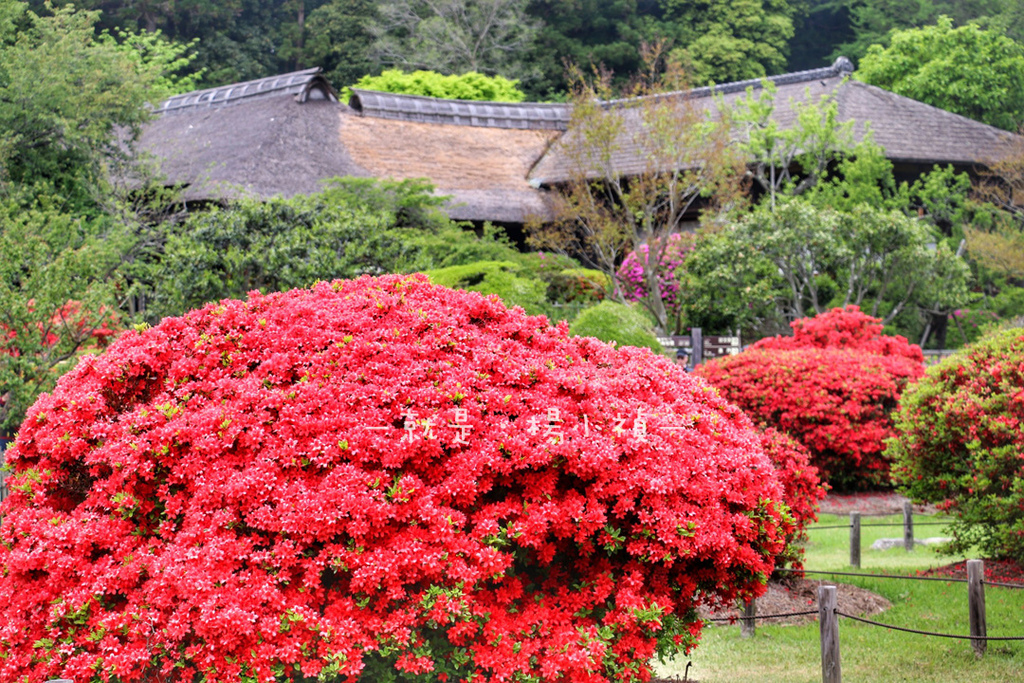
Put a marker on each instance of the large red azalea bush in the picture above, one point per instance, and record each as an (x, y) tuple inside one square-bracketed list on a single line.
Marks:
[(802, 490), (833, 386), (370, 479), (960, 444)]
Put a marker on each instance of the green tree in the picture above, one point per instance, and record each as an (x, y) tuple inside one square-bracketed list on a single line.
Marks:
[(967, 70), (874, 21), (730, 40), (338, 41), (799, 260), (72, 103)]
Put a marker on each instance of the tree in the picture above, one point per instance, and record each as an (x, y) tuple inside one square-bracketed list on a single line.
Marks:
[(730, 40), (874, 21), (453, 36), (72, 103), (806, 260), (338, 41), (376, 479), (968, 70), (679, 156)]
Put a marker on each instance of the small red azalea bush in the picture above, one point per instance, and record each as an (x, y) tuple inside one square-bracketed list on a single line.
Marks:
[(833, 386), (373, 479), (959, 442), (802, 490)]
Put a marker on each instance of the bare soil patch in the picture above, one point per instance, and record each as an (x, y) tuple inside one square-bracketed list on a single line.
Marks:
[(801, 595), (869, 503)]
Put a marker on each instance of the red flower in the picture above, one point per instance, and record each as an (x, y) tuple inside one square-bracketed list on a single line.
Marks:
[(374, 474)]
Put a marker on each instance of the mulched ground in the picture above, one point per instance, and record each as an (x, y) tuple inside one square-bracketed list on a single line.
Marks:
[(870, 503)]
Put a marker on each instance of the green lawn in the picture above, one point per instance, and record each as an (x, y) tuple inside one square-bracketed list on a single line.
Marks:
[(790, 654)]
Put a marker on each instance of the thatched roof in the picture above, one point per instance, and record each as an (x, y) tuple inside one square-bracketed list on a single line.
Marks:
[(908, 130), (287, 134), (268, 138)]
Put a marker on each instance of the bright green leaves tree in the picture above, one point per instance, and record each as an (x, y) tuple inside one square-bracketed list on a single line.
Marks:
[(873, 21), (730, 40), (468, 86), (967, 70)]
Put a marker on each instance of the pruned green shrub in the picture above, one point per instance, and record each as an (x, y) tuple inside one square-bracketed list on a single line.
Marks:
[(503, 278), (613, 322), (960, 443)]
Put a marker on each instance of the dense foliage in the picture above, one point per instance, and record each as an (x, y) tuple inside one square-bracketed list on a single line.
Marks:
[(370, 479), (833, 387), (960, 443), (967, 70)]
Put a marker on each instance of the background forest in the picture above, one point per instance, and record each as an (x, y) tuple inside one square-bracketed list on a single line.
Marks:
[(91, 242)]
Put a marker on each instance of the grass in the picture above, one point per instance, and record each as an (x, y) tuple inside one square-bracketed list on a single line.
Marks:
[(790, 654)]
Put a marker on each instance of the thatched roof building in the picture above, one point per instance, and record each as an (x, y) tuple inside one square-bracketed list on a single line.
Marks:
[(287, 134)]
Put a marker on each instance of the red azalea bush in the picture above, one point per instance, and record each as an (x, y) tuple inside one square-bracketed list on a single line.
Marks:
[(960, 443), (844, 328), (374, 479), (832, 386), (801, 486)]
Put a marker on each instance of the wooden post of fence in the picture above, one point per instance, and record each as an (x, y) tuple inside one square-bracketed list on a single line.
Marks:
[(855, 539), (696, 346), (908, 526), (747, 623), (828, 624), (976, 604)]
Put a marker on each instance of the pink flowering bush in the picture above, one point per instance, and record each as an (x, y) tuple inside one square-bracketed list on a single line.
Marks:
[(833, 386), (377, 479), (634, 282)]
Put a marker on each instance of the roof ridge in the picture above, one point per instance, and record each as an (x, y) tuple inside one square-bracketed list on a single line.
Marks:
[(841, 67), (482, 113), (291, 82)]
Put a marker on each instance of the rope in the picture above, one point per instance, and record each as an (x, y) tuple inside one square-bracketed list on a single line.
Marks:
[(890, 524), (873, 576), (1002, 585), (926, 633), (762, 616)]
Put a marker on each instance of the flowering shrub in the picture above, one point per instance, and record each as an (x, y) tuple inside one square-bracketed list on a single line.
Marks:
[(844, 328), (377, 479), (832, 386), (802, 490), (960, 443), (634, 282)]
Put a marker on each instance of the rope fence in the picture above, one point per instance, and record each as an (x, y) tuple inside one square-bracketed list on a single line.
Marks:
[(828, 613), (924, 633)]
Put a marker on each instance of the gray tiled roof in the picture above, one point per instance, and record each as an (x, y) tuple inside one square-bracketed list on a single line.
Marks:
[(908, 130), (523, 115), (298, 83)]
